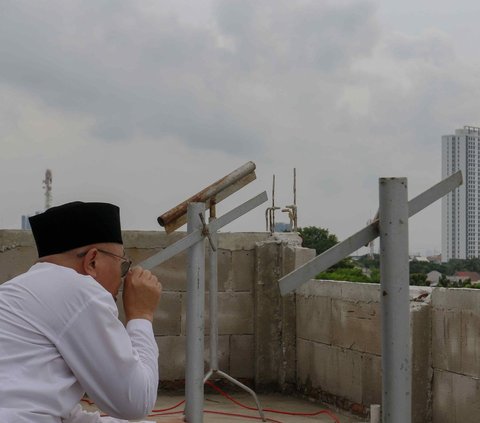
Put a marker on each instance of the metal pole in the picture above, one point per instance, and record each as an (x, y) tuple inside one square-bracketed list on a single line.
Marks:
[(395, 307), (213, 303), (195, 319), (213, 308)]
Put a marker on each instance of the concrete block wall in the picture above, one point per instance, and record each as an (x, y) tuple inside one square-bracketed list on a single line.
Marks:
[(323, 341), (249, 303), (456, 355), (339, 345)]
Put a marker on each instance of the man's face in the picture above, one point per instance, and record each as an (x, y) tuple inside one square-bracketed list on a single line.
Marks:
[(108, 266)]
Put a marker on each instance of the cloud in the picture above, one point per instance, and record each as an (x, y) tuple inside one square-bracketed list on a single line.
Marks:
[(140, 74), (319, 85)]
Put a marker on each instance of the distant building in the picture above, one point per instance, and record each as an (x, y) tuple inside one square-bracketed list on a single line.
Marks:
[(26, 222), (420, 259), (463, 276), (433, 277), (461, 207), (435, 259)]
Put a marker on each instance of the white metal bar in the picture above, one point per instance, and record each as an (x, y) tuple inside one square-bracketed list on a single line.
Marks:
[(172, 250), (434, 193), (394, 301), (195, 320), (196, 236), (361, 238), (323, 261), (235, 213)]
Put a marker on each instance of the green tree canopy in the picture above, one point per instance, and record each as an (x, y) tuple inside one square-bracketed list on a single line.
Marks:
[(317, 238), (321, 240)]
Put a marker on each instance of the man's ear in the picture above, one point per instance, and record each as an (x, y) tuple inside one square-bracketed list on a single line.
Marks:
[(89, 262)]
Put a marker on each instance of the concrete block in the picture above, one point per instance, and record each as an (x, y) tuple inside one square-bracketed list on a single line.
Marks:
[(320, 288), (168, 315), (15, 259), (470, 343), (172, 356), (455, 398), (223, 353), (360, 292), (150, 239), (241, 356), (305, 364), (446, 339), (422, 371), (338, 371), (348, 374), (371, 379), (303, 255), (356, 325), (235, 313), (443, 410), (466, 397), (274, 320), (314, 318), (171, 360), (241, 240), (243, 270), (224, 271), (460, 298), (172, 273)]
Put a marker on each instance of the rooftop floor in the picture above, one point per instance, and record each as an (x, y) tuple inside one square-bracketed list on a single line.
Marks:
[(218, 408)]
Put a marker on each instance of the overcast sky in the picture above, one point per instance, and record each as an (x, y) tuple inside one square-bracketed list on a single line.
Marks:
[(143, 103)]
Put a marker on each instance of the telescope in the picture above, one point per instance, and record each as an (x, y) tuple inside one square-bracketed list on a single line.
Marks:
[(210, 196)]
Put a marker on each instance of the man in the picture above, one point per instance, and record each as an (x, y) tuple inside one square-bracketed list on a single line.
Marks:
[(59, 330)]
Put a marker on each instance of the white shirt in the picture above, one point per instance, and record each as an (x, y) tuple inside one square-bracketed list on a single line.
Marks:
[(60, 337)]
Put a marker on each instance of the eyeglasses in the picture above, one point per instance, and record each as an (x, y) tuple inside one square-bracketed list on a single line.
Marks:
[(124, 267), (126, 263)]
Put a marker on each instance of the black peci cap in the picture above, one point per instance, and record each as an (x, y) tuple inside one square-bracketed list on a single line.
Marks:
[(74, 225)]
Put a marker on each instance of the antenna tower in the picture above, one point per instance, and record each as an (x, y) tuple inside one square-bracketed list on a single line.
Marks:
[(47, 186)]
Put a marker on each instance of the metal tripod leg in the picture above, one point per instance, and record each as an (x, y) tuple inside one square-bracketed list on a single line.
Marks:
[(239, 384), (213, 307)]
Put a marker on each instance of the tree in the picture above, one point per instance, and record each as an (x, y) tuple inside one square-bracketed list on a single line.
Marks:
[(317, 238), (419, 279), (321, 240)]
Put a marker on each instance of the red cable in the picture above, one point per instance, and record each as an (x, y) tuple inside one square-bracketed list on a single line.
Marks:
[(166, 414), (163, 412), (217, 412), (241, 415), (271, 410), (168, 409), (89, 402)]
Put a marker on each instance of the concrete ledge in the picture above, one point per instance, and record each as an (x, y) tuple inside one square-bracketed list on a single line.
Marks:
[(458, 298)]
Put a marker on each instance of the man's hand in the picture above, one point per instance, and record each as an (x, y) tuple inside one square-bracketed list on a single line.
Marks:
[(141, 294)]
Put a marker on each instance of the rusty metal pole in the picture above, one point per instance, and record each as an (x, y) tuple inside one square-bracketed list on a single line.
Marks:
[(395, 301)]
